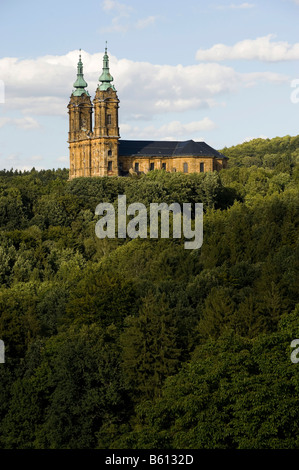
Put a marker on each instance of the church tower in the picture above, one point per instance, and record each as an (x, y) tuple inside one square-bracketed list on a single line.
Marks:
[(80, 126), (97, 150), (106, 130)]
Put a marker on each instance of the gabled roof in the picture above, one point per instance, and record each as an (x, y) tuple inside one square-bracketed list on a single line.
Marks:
[(151, 148)]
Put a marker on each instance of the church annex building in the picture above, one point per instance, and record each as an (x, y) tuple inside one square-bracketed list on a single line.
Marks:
[(97, 150)]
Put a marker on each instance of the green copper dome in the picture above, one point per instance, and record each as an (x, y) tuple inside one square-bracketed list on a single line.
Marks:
[(80, 84), (106, 78)]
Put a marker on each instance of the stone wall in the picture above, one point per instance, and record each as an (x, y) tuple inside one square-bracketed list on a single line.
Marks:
[(171, 164)]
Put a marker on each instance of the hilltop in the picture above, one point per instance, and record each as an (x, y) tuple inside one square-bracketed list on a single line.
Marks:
[(140, 343)]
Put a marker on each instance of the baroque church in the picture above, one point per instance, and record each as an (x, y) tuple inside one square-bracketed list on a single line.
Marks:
[(97, 150)]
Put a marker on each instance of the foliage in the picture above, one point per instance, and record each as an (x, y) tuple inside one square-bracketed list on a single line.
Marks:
[(119, 343)]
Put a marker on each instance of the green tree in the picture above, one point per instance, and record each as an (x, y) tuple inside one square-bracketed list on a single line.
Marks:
[(149, 347), (218, 313), (71, 386)]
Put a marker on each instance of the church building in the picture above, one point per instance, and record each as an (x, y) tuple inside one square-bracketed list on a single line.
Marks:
[(97, 150)]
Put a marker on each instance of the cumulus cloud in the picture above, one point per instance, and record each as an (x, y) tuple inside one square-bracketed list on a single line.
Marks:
[(234, 6), (43, 86), (122, 20), (4, 121), (248, 139), (38, 105), (120, 8), (262, 49), (63, 159), (36, 158), (16, 161), (117, 26), (170, 131), (145, 22), (253, 78), (164, 88), (2, 92), (25, 123)]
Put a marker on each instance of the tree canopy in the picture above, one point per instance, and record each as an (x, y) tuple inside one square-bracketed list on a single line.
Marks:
[(140, 343)]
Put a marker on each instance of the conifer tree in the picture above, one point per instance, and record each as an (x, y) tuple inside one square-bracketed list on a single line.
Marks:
[(149, 347)]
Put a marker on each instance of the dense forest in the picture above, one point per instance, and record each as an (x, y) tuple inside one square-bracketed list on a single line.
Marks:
[(140, 343)]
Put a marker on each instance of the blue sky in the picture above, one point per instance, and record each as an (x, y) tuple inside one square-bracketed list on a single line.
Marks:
[(217, 71)]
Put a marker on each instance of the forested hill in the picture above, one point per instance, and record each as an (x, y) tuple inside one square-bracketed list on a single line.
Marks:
[(279, 153), (120, 343)]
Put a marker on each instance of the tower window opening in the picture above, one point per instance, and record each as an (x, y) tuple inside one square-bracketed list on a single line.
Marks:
[(108, 119), (185, 167), (202, 167), (109, 153), (109, 165), (152, 166)]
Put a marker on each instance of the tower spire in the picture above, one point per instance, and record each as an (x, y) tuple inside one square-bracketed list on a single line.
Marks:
[(80, 84), (106, 78)]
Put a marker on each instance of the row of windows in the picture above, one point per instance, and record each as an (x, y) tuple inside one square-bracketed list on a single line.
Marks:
[(152, 166), (185, 167)]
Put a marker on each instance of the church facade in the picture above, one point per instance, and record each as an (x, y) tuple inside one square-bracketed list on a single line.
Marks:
[(97, 150)]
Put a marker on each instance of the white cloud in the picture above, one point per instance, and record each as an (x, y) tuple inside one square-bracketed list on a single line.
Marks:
[(163, 88), (262, 49), (117, 26), (16, 161), (170, 131), (12, 157), (253, 78), (122, 21), (36, 158), (63, 159), (248, 139), (145, 22), (43, 86), (234, 6), (25, 123), (39, 105), (4, 121), (120, 8), (6, 162)]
